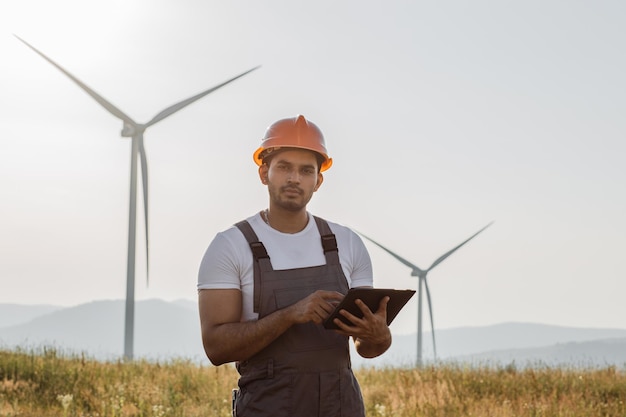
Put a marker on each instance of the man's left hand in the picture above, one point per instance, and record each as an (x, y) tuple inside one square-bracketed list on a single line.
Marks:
[(371, 333)]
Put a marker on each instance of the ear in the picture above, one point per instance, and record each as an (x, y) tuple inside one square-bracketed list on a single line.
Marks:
[(320, 180), (263, 172)]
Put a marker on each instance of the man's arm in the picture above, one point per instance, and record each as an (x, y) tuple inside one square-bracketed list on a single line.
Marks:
[(227, 339)]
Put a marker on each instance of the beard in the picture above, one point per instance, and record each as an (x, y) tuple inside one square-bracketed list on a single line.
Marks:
[(289, 202)]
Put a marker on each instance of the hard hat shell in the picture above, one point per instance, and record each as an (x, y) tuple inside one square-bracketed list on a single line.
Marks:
[(293, 132)]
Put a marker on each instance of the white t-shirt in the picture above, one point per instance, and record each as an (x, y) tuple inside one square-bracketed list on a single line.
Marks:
[(227, 262)]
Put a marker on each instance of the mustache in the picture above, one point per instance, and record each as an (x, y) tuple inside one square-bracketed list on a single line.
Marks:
[(291, 188)]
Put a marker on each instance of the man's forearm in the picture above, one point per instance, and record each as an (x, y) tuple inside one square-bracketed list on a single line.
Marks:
[(230, 342)]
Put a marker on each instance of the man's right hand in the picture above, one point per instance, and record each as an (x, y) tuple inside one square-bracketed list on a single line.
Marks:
[(315, 307)]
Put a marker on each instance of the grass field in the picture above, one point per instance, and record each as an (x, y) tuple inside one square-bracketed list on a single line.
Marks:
[(46, 383)]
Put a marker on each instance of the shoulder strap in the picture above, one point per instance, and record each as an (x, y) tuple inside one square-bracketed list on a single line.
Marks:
[(329, 242), (258, 250), (261, 260)]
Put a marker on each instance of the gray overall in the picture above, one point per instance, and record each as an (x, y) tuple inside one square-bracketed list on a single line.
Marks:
[(306, 371)]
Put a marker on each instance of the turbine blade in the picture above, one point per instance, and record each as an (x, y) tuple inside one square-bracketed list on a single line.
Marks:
[(432, 320), (144, 179), (450, 252), (395, 255), (178, 106), (110, 107)]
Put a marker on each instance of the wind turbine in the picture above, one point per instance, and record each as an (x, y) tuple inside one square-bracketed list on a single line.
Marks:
[(135, 131), (421, 274)]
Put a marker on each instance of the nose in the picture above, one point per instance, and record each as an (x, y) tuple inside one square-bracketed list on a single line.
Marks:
[(293, 177)]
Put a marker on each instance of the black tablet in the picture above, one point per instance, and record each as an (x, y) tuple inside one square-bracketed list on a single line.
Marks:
[(371, 297)]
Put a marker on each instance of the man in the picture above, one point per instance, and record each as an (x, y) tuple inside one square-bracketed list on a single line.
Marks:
[(266, 285)]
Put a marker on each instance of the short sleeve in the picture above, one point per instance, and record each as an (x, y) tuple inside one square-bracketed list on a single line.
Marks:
[(362, 273), (220, 268)]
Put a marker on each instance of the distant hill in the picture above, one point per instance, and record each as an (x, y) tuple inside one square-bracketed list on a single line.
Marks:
[(162, 330), (166, 330), (14, 314), (524, 343), (596, 353)]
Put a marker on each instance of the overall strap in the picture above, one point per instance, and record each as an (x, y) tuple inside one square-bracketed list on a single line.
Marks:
[(329, 242), (261, 260)]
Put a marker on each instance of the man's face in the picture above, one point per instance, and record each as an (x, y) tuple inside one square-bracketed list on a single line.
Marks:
[(292, 177)]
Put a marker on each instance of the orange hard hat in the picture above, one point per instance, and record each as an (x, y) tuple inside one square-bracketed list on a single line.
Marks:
[(293, 132)]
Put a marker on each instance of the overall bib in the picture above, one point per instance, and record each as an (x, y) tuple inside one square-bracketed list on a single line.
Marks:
[(306, 372)]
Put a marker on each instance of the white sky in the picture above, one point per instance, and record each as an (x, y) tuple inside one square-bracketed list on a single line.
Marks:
[(440, 117)]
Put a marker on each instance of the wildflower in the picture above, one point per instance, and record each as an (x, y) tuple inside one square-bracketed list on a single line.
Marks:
[(66, 401), (158, 410)]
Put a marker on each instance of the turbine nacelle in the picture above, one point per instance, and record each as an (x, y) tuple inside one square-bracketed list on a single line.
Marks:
[(129, 130)]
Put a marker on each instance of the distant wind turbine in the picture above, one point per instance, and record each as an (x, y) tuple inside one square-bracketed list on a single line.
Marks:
[(135, 131), (421, 274)]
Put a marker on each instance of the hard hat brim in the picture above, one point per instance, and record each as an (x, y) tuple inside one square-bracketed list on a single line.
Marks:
[(258, 158)]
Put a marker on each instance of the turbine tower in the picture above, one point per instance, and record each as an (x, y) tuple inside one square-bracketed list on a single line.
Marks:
[(422, 274), (135, 131)]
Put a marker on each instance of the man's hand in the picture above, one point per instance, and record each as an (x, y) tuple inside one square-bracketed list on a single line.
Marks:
[(315, 307), (371, 333)]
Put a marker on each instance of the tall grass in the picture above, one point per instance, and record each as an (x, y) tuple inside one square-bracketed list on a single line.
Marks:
[(47, 383)]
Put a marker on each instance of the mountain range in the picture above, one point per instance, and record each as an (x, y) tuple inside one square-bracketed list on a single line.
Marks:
[(171, 330)]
